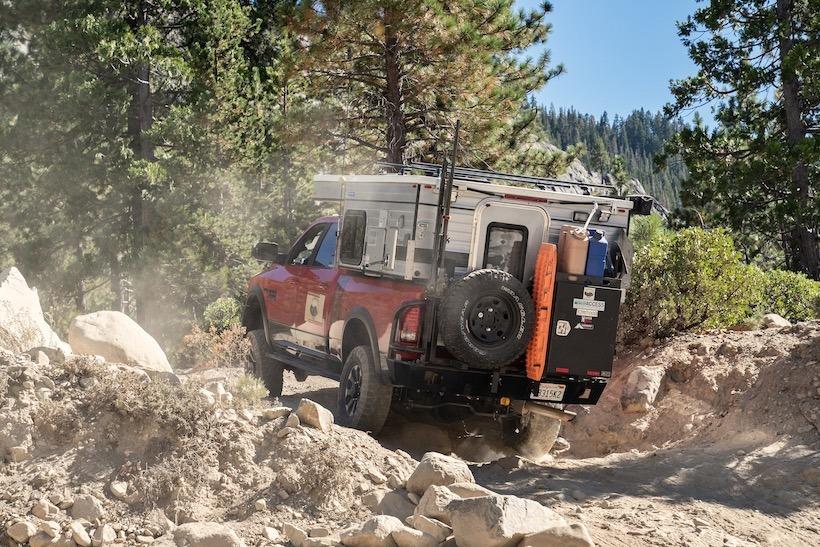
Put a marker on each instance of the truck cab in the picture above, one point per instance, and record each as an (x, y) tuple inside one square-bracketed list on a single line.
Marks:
[(427, 291)]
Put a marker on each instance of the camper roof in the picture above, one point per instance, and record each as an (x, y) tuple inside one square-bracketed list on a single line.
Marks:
[(503, 190)]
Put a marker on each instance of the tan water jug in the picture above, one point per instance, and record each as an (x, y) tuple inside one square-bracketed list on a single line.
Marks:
[(573, 245)]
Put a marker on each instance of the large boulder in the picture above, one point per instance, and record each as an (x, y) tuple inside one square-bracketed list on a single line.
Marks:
[(641, 388), (396, 504), (499, 521), (315, 415), (117, 338), (206, 534), (376, 532), (438, 469), (774, 321), (87, 507), (435, 503), (22, 325)]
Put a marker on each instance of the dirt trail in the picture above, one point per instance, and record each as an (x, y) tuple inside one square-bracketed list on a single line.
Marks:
[(726, 453)]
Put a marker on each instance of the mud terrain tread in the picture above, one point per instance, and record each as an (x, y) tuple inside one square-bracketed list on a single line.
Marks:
[(375, 398), (270, 371), (453, 328)]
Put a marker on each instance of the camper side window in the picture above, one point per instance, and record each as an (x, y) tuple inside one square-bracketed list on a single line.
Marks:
[(506, 248), (354, 226)]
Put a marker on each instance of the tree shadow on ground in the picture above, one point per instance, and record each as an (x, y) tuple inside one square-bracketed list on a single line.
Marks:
[(771, 479)]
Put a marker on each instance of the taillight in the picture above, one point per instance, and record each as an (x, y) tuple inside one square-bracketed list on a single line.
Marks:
[(410, 325)]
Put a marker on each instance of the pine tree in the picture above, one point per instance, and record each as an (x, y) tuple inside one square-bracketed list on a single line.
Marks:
[(396, 75), (120, 121), (638, 139), (756, 172)]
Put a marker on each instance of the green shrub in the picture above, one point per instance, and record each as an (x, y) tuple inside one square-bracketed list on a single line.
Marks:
[(692, 279), (790, 294), (222, 314), (645, 230)]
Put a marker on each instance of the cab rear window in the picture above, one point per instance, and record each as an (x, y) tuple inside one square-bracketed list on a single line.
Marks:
[(351, 248)]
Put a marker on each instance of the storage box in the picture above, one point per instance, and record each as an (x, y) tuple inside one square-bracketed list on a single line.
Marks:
[(584, 326)]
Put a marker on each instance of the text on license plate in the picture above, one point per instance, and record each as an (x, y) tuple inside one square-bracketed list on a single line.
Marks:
[(550, 392)]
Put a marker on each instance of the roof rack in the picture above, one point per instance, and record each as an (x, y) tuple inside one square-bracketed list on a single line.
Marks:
[(480, 175)]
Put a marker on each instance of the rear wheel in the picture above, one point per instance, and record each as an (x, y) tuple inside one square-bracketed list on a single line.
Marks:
[(532, 435), (258, 363), (363, 398)]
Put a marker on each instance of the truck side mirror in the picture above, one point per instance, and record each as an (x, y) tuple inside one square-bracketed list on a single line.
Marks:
[(266, 251)]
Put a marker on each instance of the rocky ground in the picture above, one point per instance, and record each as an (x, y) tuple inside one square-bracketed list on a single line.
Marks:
[(709, 439)]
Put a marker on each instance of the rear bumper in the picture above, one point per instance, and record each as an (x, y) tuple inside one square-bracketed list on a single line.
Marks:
[(448, 381)]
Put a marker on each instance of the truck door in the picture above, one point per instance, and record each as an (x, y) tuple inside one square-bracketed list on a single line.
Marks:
[(507, 236), (315, 288), (282, 288)]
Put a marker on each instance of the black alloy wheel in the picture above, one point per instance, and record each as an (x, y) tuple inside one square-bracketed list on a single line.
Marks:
[(491, 320), (364, 397), (353, 389)]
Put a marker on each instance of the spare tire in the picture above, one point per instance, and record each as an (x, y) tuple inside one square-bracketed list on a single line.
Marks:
[(486, 319)]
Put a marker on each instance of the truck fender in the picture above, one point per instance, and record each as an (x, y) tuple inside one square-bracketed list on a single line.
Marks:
[(361, 316), (255, 310)]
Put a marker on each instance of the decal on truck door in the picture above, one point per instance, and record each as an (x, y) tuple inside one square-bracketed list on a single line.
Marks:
[(314, 306)]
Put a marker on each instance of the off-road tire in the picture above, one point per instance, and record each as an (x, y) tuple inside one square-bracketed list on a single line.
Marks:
[(532, 435), (258, 363), (486, 319), (363, 398)]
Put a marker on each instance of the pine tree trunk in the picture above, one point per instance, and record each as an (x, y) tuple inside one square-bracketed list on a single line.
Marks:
[(394, 108), (79, 289), (803, 248), (115, 276), (140, 119)]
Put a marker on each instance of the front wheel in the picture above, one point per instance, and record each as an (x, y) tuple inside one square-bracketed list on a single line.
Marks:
[(532, 435), (270, 371), (363, 398)]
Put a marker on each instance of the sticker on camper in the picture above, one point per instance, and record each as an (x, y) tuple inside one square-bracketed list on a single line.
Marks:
[(589, 293), (562, 328), (585, 304)]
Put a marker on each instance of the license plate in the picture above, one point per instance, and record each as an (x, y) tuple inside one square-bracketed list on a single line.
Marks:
[(551, 392)]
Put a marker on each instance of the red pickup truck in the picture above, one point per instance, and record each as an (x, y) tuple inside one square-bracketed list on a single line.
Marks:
[(422, 293)]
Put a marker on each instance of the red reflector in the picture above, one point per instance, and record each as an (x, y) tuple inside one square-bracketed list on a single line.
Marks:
[(562, 370), (593, 373), (407, 356)]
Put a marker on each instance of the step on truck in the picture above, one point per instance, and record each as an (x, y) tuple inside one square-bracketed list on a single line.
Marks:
[(435, 287)]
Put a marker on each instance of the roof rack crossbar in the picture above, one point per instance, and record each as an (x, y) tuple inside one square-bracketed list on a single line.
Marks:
[(480, 175)]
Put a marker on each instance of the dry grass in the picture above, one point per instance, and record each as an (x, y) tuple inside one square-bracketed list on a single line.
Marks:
[(248, 391), (205, 349), (176, 409), (320, 472)]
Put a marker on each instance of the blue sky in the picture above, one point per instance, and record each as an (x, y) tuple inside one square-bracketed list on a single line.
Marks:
[(619, 54)]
